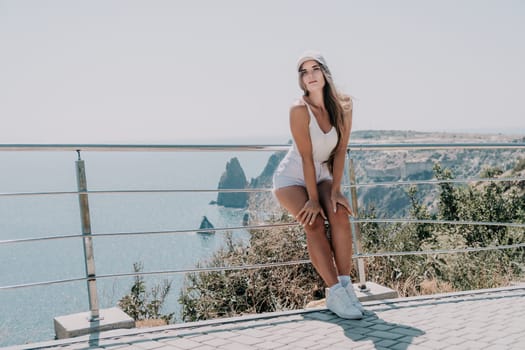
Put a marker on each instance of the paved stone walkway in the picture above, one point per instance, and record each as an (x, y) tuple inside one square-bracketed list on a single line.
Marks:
[(488, 319)]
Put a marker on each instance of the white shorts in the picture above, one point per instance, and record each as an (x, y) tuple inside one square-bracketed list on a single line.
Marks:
[(290, 173)]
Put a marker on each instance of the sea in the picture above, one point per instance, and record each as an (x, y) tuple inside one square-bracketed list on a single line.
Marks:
[(26, 314)]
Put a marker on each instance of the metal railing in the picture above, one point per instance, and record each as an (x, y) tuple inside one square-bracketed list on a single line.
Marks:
[(87, 236)]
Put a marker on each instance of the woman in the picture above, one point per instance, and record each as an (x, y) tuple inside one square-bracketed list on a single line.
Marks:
[(308, 180)]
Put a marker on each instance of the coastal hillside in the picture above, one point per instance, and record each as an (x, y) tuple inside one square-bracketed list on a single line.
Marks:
[(378, 166)]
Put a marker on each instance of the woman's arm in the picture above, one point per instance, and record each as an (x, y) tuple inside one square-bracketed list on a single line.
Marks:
[(299, 126)]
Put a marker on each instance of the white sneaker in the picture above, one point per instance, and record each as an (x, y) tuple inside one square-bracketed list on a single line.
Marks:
[(338, 301), (351, 293)]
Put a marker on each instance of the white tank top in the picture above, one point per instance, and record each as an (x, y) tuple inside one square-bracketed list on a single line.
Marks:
[(322, 143)]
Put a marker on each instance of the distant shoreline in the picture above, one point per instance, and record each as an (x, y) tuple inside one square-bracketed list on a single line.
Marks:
[(284, 138)]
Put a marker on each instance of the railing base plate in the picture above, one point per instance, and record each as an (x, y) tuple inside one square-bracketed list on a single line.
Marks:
[(74, 325), (374, 291)]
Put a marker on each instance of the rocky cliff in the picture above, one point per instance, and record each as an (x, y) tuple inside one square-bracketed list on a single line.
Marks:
[(233, 178), (264, 180)]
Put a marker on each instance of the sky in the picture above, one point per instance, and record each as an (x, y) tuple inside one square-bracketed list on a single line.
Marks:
[(223, 71)]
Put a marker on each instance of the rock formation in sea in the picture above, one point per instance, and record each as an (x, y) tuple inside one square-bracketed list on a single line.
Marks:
[(264, 180), (206, 226), (233, 178)]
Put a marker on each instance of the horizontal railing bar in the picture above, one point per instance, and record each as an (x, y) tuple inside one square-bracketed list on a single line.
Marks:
[(112, 234), (166, 272), (433, 146), (439, 251), (254, 190), (171, 148), (44, 283), (259, 266), (153, 191), (209, 269), (264, 226), (38, 239), (139, 148), (433, 182), (446, 222)]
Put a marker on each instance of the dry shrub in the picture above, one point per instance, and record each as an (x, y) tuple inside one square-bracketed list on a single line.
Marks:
[(434, 286)]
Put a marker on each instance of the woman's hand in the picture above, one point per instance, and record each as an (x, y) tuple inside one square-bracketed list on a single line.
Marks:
[(309, 212), (338, 198)]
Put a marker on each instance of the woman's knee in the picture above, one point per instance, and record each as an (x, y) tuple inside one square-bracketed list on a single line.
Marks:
[(317, 227), (339, 219)]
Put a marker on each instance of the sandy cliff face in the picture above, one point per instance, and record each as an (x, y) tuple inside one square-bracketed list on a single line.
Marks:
[(374, 167)]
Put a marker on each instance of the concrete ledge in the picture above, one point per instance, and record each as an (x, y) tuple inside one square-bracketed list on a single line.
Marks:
[(79, 324), (375, 292)]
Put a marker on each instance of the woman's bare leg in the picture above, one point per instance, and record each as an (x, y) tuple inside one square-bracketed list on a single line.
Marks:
[(340, 230), (293, 198)]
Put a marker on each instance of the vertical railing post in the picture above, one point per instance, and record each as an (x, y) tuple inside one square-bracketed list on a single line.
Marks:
[(89, 258), (356, 232)]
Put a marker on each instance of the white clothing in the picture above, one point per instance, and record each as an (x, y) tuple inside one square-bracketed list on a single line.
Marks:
[(290, 170)]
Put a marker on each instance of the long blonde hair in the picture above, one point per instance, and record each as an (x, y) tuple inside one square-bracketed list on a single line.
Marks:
[(336, 105)]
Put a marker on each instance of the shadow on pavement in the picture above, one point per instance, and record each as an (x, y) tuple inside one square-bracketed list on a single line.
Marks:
[(371, 329)]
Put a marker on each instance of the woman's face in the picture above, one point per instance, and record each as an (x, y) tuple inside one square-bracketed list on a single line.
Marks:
[(312, 76)]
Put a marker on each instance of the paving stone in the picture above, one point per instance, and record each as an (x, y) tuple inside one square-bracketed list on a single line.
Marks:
[(148, 345), (472, 344), (500, 347), (129, 347), (432, 344), (360, 330), (407, 331), (520, 344), (254, 332), (280, 339), (382, 327), (289, 347), (269, 345), (317, 347), (385, 335), (358, 324), (355, 336), (456, 347), (386, 343), (247, 340), (205, 347), (236, 346), (400, 346), (455, 340), (183, 343), (505, 340), (216, 342), (223, 334), (322, 316), (304, 344)]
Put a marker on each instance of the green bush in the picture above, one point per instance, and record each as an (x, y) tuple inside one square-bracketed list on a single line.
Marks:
[(520, 165), (141, 304), (494, 202)]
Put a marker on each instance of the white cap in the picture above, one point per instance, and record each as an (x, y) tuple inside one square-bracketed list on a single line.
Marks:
[(311, 56)]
